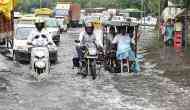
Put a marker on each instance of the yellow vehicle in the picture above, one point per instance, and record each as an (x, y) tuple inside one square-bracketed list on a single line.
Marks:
[(97, 24), (43, 12)]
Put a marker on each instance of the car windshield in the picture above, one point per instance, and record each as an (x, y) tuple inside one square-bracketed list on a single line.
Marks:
[(60, 22), (61, 12), (26, 22), (51, 23), (23, 33)]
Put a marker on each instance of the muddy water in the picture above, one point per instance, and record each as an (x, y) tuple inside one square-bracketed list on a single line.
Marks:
[(66, 91)]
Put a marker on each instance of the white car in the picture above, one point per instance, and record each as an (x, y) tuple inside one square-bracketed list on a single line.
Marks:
[(62, 25), (53, 29), (20, 48)]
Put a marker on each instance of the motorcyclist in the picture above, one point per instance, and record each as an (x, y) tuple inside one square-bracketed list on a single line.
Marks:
[(40, 36), (86, 37)]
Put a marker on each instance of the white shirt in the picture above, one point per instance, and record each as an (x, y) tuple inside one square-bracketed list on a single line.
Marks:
[(85, 38), (122, 41), (40, 41)]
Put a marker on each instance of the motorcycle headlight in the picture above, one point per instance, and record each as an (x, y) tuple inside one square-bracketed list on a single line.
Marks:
[(40, 64), (92, 51)]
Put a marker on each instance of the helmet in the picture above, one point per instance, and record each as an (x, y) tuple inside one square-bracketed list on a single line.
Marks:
[(89, 28), (40, 24)]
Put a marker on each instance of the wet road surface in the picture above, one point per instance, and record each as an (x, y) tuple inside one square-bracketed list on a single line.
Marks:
[(64, 90)]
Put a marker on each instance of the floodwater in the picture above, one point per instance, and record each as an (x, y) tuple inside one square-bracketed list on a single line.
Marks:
[(64, 90)]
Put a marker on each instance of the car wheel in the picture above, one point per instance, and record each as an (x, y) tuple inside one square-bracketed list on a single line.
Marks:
[(14, 58)]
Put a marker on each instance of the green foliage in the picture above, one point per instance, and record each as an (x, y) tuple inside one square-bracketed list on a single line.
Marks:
[(187, 3), (151, 6)]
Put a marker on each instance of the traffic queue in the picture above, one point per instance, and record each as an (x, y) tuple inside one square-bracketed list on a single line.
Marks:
[(107, 43)]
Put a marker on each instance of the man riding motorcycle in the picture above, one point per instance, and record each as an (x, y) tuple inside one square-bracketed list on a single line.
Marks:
[(40, 36), (86, 37)]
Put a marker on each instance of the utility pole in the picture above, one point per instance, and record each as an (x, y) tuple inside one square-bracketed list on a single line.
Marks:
[(40, 3), (186, 28), (143, 12), (142, 8), (159, 14)]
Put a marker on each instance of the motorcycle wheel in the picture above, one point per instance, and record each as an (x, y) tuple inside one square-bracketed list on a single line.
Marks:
[(93, 69)]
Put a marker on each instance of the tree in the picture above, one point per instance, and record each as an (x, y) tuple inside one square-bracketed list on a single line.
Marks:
[(187, 3), (163, 4)]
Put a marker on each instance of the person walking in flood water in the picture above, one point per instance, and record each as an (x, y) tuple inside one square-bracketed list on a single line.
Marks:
[(169, 33)]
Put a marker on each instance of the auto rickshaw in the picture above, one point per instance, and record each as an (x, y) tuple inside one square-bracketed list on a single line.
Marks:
[(43, 12), (111, 29)]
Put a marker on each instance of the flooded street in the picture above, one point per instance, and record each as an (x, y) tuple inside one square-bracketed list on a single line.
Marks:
[(64, 90)]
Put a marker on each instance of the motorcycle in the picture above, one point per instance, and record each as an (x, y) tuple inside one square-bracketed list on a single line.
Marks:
[(87, 63), (40, 63)]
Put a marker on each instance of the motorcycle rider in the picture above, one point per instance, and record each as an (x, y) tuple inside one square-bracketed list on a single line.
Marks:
[(86, 37), (40, 36)]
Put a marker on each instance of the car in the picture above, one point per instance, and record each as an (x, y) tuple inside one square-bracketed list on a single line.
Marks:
[(20, 47), (62, 25), (21, 50), (53, 29)]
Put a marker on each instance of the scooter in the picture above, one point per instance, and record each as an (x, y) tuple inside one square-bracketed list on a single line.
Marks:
[(40, 63)]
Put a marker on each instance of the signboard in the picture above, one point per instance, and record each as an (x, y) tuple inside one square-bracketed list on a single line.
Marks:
[(63, 6)]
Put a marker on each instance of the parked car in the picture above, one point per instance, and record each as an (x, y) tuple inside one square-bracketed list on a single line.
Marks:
[(21, 50), (53, 29)]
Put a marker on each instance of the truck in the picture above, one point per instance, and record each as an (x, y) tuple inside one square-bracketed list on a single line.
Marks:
[(69, 11), (75, 14)]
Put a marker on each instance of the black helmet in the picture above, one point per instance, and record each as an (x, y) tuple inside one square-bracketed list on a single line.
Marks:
[(89, 28), (40, 24)]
